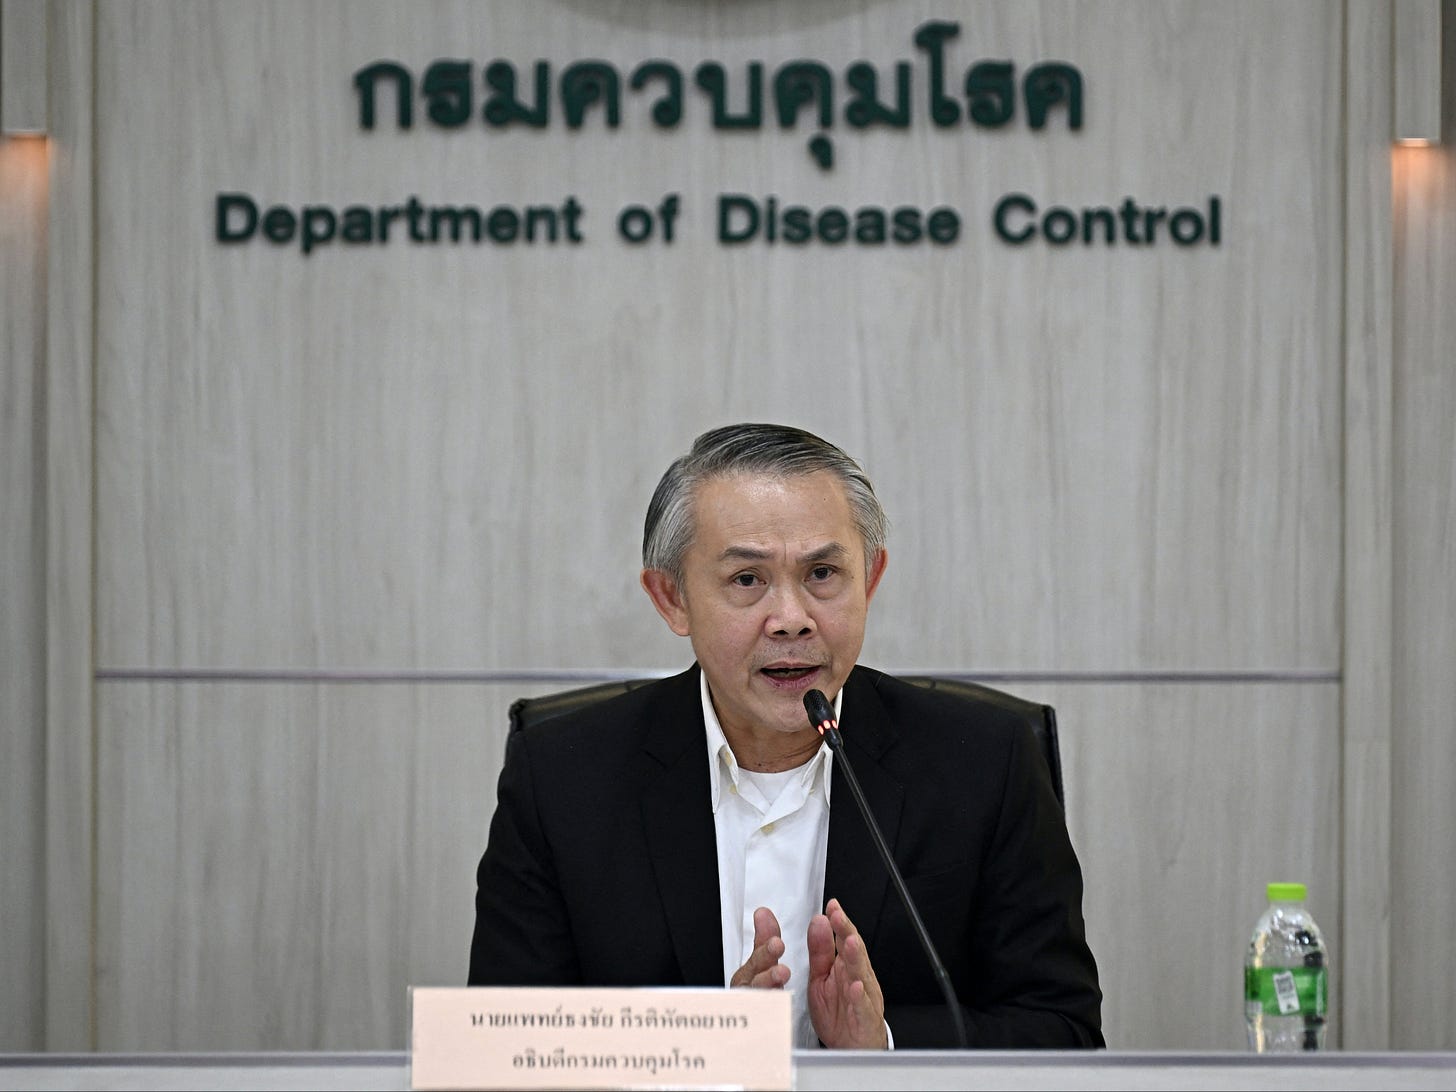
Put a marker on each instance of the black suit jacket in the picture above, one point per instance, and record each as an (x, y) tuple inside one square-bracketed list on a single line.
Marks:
[(601, 868)]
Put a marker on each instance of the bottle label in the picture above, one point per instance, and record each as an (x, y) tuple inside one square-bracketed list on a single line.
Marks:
[(1286, 991)]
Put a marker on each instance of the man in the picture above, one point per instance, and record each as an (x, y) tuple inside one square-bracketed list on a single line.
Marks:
[(683, 833)]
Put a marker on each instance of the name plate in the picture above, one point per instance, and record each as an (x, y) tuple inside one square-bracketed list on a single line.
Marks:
[(532, 1037)]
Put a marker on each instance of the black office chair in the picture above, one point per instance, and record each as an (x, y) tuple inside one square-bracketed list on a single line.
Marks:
[(1041, 718)]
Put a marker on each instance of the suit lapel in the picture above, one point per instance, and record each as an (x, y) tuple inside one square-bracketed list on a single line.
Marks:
[(677, 818), (853, 872)]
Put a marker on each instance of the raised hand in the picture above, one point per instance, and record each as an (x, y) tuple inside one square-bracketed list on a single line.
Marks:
[(845, 1002), (763, 969)]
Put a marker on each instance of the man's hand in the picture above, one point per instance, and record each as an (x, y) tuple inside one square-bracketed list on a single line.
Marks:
[(845, 1002), (763, 969)]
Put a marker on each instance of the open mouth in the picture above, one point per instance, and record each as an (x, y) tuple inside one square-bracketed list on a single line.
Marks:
[(789, 674)]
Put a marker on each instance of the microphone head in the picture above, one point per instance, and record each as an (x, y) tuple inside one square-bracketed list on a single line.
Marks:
[(821, 713)]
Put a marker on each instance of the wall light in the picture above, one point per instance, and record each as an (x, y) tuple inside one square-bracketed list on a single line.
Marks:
[(23, 68), (1416, 42)]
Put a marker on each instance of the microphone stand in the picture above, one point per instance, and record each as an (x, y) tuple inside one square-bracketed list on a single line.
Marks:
[(821, 716)]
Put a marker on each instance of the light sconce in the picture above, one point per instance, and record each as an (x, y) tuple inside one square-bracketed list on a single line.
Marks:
[(1416, 44), (23, 68)]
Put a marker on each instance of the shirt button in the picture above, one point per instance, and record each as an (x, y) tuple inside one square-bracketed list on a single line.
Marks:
[(733, 789), (767, 828)]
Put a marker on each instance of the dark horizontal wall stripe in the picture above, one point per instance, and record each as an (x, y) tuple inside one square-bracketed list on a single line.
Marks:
[(590, 675), (1136, 676), (380, 675)]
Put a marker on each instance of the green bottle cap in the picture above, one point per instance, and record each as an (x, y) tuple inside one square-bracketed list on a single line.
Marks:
[(1286, 892)]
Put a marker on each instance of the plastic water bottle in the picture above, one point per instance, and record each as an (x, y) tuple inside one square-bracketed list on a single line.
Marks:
[(1286, 976)]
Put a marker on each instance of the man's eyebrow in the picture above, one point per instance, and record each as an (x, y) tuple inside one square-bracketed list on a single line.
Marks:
[(831, 551), (745, 553)]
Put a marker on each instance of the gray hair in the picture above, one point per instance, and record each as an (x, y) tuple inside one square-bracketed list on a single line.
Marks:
[(774, 450)]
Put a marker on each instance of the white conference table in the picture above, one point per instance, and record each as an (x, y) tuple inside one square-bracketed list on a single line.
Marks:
[(1022, 1070)]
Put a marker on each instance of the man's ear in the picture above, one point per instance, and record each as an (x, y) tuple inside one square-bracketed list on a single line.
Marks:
[(663, 591), (877, 570)]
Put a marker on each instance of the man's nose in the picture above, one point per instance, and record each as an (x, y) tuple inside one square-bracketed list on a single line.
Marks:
[(789, 612)]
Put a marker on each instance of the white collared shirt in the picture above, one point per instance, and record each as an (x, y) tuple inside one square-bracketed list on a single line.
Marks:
[(773, 841)]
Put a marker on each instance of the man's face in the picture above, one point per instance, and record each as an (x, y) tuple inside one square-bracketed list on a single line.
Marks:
[(774, 596)]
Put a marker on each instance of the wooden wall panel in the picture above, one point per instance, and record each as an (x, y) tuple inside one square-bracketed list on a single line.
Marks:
[(70, 503), (1101, 459), (1366, 696), (1422, 911), (279, 863), (22, 572), (319, 844), (1183, 802)]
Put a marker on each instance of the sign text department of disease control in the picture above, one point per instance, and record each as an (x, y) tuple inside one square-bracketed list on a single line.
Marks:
[(988, 95)]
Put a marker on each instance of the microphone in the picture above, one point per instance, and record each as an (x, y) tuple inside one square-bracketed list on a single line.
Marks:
[(821, 716)]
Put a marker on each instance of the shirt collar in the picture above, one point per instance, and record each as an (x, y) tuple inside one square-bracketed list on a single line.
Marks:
[(720, 755)]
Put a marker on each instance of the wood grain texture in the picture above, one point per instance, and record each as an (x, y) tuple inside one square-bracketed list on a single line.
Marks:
[(278, 864), (1423, 776), (1183, 802), (22, 580), (1364, 993), (408, 456), (69, 507)]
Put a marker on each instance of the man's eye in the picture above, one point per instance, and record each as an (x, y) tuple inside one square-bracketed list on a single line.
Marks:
[(821, 572), (745, 580)]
